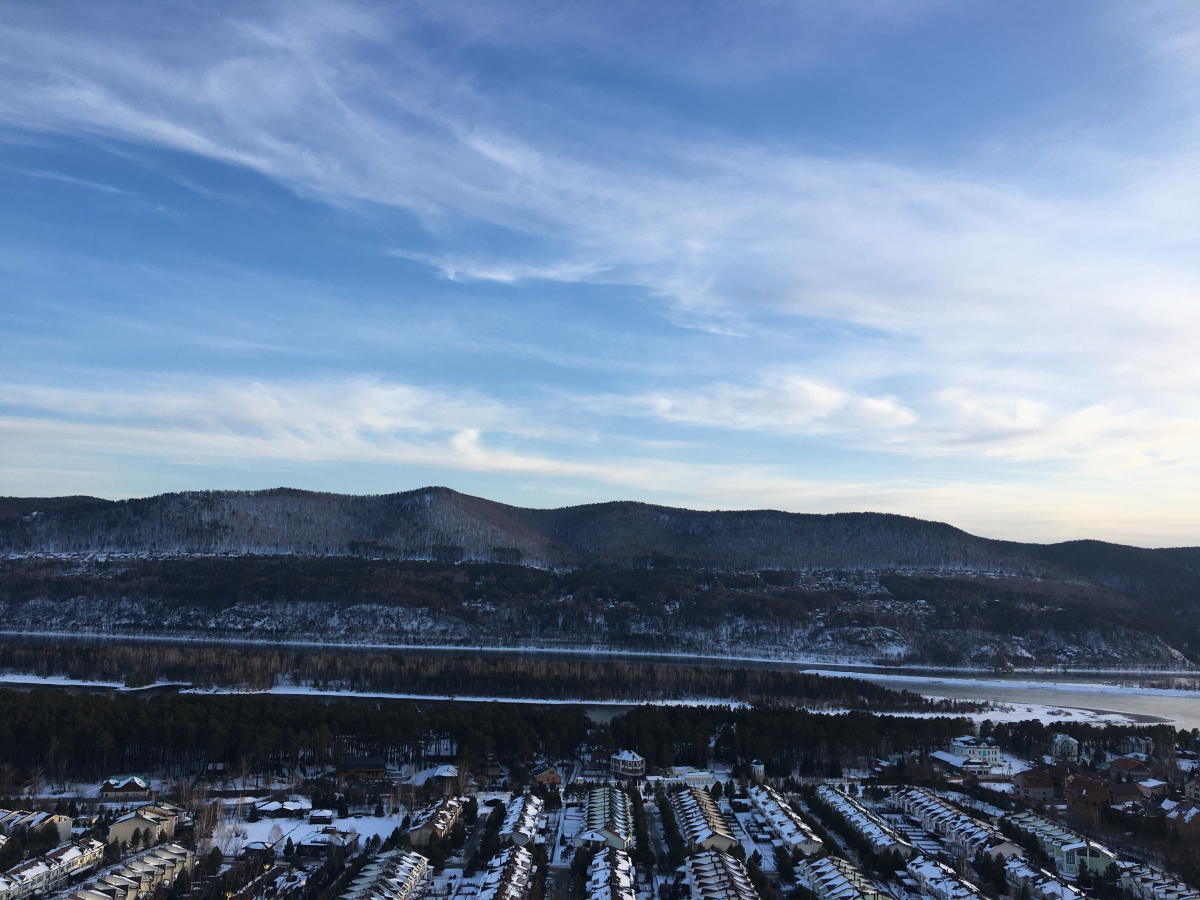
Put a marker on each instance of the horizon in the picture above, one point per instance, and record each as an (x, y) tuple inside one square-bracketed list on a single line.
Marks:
[(442, 487), (929, 259)]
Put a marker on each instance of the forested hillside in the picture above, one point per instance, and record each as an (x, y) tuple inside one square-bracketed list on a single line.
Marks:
[(435, 567)]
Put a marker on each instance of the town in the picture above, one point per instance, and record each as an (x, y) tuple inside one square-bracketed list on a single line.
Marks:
[(656, 804)]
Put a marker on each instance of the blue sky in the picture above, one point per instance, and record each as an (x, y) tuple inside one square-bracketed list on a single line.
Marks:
[(931, 258)]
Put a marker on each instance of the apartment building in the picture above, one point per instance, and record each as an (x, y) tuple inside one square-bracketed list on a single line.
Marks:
[(52, 871)]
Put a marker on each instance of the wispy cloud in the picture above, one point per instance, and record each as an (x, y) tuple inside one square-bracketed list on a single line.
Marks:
[(1045, 313)]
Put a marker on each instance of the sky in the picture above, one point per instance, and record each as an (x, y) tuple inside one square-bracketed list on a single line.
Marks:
[(930, 258)]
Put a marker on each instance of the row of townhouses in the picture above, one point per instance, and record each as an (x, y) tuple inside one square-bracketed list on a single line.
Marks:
[(509, 876), (396, 875), (833, 878), (700, 821), (523, 820), (611, 876), (962, 832), (52, 871), (140, 877), (607, 819), (718, 876), (785, 823), (881, 836), (1071, 852)]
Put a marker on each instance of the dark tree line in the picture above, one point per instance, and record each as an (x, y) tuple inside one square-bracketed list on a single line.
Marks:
[(141, 664)]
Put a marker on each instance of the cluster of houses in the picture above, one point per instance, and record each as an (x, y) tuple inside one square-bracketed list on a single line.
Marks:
[(701, 824), (785, 823), (435, 822)]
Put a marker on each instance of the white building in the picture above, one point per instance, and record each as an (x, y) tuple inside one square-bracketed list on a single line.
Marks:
[(509, 876), (391, 876), (627, 764)]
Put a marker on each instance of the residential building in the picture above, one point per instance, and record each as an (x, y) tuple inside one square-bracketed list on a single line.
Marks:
[(1064, 747), (1142, 882), (1070, 851), (881, 836), (435, 821), (509, 876), (1153, 787), (126, 787), (701, 822), (758, 770), (939, 881), (627, 764), (1183, 816), (611, 876), (11, 819), (718, 876), (607, 819), (964, 833), (1034, 786), (833, 878), (785, 823), (1191, 789), (1133, 743), (391, 876), (328, 839), (1085, 794), (52, 871), (1129, 767), (138, 877), (159, 821), (364, 768), (982, 749), (547, 775), (1024, 879), (522, 820)]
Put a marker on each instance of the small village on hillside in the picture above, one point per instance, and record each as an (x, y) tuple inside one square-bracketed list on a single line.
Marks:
[(971, 820)]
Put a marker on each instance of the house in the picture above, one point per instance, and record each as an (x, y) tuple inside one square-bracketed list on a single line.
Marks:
[(492, 769), (34, 821), (320, 817), (1034, 786), (627, 764), (1085, 794), (547, 775), (1191, 789), (982, 749), (1132, 743), (1129, 767), (758, 771), (1152, 787), (1183, 816), (126, 787), (1064, 747), (364, 768), (435, 822), (155, 820), (446, 779), (327, 840)]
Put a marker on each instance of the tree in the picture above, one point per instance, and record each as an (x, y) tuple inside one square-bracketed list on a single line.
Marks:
[(343, 810), (289, 849), (11, 853)]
